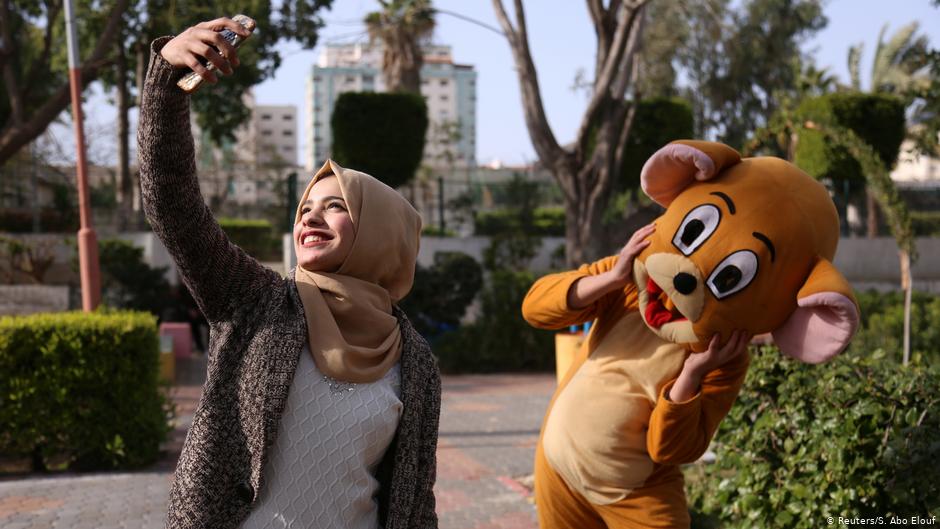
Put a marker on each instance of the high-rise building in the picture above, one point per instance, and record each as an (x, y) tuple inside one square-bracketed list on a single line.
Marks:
[(448, 88), (250, 171)]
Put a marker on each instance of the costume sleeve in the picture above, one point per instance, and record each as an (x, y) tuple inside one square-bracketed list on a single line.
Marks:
[(679, 432), (219, 274), (546, 304)]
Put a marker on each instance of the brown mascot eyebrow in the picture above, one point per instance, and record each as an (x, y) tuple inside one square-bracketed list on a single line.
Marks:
[(727, 200), (766, 240)]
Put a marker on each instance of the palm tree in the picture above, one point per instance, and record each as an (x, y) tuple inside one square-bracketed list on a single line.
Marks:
[(401, 26), (899, 66)]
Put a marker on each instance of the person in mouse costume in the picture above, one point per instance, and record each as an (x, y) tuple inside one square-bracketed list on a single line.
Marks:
[(744, 247)]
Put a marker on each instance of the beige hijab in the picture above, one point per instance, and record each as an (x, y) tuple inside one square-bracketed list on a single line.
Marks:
[(353, 335)]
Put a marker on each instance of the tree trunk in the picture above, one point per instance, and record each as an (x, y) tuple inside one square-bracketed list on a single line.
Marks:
[(125, 187), (871, 209), (585, 170)]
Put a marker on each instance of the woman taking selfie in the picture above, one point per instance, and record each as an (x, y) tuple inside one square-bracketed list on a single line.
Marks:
[(321, 402)]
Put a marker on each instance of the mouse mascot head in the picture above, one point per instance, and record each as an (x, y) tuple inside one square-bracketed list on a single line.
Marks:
[(744, 244)]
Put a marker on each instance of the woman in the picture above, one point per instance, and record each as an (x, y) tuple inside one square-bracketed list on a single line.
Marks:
[(321, 402)]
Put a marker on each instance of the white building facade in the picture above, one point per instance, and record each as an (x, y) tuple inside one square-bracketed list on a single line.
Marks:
[(449, 90), (251, 170)]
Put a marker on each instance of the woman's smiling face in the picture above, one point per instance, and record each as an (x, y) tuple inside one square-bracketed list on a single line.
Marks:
[(325, 233)]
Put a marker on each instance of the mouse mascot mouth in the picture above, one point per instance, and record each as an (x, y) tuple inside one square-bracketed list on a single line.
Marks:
[(667, 312), (660, 310)]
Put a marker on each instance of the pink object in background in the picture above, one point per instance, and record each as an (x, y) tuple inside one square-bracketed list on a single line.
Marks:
[(182, 337)]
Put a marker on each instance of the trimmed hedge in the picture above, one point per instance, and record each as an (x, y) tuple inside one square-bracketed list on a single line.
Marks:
[(81, 389), (856, 437), (546, 221), (255, 236), (926, 223), (380, 134), (877, 119)]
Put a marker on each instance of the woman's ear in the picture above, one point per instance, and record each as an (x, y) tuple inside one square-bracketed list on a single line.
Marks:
[(671, 169), (825, 320)]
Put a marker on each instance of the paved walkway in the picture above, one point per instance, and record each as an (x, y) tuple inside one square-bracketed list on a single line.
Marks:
[(489, 426)]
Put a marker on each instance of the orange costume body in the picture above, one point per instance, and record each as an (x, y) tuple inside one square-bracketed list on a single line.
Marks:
[(743, 245), (663, 434)]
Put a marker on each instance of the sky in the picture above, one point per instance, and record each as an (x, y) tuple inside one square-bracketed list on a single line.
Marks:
[(562, 42)]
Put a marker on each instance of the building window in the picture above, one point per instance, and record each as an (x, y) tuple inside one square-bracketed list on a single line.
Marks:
[(288, 117), (443, 82), (368, 78), (265, 116), (287, 133), (444, 97), (266, 133)]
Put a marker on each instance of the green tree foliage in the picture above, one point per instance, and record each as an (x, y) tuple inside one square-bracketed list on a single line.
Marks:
[(657, 122), (219, 108), (740, 62), (402, 26), (380, 134), (854, 437), (34, 61), (899, 65), (442, 292)]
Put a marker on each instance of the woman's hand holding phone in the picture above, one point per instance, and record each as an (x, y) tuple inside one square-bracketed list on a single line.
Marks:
[(204, 44)]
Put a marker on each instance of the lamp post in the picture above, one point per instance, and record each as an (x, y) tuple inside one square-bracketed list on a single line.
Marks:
[(87, 242)]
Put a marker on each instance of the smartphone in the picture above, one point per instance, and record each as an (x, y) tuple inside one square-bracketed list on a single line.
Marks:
[(191, 81)]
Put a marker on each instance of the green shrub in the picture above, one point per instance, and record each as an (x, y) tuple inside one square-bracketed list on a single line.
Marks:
[(81, 388), (127, 282), (877, 119), (882, 326), (255, 236), (854, 437), (380, 134), (442, 292), (500, 340), (546, 221)]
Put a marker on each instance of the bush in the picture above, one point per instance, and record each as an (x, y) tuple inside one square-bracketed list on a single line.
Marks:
[(127, 282), (854, 437), (877, 119), (500, 340), (255, 236), (81, 388), (442, 292), (882, 326), (380, 134), (546, 221)]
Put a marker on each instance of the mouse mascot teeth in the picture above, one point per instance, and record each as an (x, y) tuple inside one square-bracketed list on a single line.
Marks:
[(744, 244)]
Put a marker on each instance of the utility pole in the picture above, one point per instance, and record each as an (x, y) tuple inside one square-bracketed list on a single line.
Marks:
[(87, 242)]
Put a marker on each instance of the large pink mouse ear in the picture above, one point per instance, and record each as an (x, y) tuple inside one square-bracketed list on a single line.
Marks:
[(672, 168), (825, 320)]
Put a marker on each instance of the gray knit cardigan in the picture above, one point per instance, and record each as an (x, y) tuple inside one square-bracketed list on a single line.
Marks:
[(257, 333)]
